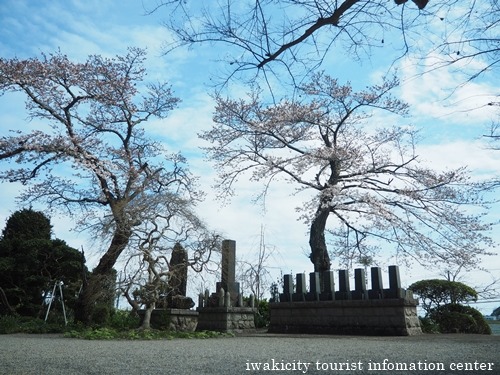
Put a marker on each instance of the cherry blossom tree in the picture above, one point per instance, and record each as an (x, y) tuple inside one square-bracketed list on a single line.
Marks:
[(368, 180), (86, 150)]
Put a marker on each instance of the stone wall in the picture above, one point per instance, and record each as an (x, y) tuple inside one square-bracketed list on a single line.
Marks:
[(396, 317), (180, 320)]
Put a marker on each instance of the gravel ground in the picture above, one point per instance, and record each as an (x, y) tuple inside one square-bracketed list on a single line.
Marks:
[(275, 354)]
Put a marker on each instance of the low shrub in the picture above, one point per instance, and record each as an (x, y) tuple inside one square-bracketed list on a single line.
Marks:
[(124, 320), (9, 324), (456, 318), (428, 326), (262, 317), (101, 315)]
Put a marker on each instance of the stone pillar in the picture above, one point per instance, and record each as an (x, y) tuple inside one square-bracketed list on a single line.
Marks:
[(228, 271), (395, 290), (177, 282), (328, 286), (228, 262), (221, 296), (359, 284), (287, 289), (300, 287), (206, 298), (377, 290), (344, 287), (314, 287)]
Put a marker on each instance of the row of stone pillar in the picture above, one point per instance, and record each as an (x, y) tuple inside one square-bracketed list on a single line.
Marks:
[(322, 286), (223, 299)]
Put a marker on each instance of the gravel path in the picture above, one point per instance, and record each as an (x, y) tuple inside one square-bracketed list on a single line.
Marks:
[(53, 354)]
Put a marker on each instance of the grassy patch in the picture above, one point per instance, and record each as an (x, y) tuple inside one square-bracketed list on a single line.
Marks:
[(136, 334), (121, 326)]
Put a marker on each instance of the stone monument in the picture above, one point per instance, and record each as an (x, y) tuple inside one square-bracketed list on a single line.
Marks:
[(224, 310), (174, 312), (177, 282), (362, 311)]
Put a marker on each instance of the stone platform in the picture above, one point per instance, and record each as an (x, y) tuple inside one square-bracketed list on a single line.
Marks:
[(180, 320), (362, 311), (226, 319), (390, 317)]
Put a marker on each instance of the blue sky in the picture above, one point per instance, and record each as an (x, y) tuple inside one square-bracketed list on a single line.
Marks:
[(452, 122)]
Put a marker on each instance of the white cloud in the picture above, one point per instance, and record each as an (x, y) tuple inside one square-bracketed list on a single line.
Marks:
[(439, 95)]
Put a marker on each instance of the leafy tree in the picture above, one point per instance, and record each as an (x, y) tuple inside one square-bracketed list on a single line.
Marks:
[(31, 262), (262, 36), (435, 293), (89, 150), (27, 225), (367, 178)]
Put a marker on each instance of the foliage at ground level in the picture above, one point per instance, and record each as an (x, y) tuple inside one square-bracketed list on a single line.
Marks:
[(455, 318), (121, 325)]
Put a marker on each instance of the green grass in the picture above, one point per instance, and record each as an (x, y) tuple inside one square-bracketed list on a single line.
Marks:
[(136, 334)]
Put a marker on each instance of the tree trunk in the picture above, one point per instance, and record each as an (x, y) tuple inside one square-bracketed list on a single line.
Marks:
[(319, 253), (146, 321), (5, 301), (97, 289)]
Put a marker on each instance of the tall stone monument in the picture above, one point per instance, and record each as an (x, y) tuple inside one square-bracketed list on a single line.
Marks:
[(228, 271), (224, 310)]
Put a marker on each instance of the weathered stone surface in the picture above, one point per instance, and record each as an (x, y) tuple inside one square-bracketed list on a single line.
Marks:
[(181, 302), (223, 310), (394, 317), (180, 320), (226, 319)]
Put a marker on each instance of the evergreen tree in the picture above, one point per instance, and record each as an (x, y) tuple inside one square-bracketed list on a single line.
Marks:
[(31, 263)]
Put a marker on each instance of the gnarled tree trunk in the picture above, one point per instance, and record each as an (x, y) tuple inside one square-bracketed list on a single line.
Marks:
[(99, 288), (319, 253)]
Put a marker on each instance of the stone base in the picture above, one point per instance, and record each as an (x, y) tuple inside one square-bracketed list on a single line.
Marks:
[(179, 320), (226, 319), (388, 317)]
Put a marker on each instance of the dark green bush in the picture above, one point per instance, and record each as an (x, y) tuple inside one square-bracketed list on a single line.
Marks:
[(122, 320), (262, 317), (19, 324), (9, 324), (435, 292), (101, 315), (429, 326), (456, 318)]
